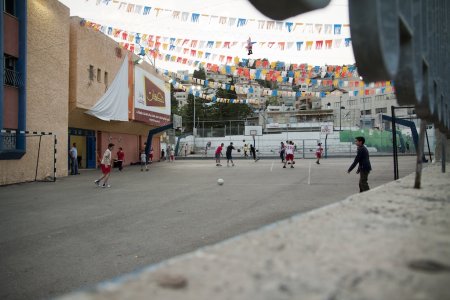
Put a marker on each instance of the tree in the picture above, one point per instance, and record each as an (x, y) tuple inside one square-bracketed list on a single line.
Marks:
[(230, 111), (173, 101), (202, 112), (272, 100), (200, 73)]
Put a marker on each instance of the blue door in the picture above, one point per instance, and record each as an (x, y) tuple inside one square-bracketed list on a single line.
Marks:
[(90, 152)]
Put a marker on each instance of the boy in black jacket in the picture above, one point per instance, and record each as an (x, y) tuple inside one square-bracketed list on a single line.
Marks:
[(364, 167)]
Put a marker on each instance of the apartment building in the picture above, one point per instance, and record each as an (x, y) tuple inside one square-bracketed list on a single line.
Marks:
[(361, 111)]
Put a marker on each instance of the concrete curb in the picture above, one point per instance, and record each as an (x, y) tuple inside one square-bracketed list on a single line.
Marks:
[(390, 243)]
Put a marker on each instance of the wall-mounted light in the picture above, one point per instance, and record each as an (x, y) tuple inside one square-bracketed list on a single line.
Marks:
[(138, 61)]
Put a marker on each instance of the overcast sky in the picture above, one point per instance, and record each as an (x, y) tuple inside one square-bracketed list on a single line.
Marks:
[(165, 25)]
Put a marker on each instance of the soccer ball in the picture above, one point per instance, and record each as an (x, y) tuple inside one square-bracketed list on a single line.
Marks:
[(220, 181)]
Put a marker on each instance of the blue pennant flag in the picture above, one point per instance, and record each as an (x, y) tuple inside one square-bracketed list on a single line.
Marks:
[(146, 10), (289, 26), (195, 17), (241, 22)]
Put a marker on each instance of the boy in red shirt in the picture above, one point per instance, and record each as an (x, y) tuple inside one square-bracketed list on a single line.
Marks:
[(120, 158), (151, 154), (218, 155), (319, 153)]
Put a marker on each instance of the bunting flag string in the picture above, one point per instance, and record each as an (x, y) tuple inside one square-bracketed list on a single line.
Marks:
[(260, 65), (239, 22), (253, 69), (354, 88), (173, 43), (378, 88)]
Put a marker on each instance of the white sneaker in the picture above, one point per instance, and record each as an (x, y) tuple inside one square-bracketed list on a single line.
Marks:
[(97, 182), (106, 186)]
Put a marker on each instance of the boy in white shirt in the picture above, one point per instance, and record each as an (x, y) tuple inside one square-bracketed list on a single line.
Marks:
[(143, 161), (290, 148), (106, 167)]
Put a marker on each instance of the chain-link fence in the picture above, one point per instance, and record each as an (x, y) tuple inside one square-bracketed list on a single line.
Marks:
[(379, 141), (220, 128)]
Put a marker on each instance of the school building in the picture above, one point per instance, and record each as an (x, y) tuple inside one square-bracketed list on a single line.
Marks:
[(56, 70)]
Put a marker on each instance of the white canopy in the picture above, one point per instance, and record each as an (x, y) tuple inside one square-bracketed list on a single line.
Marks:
[(113, 105)]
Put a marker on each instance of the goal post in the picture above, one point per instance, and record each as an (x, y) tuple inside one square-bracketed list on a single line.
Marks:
[(39, 161)]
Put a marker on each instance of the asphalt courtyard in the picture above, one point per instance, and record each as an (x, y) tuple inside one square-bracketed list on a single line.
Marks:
[(71, 234)]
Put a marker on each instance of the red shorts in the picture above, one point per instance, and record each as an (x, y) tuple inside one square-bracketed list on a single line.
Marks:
[(289, 156), (318, 154), (106, 169)]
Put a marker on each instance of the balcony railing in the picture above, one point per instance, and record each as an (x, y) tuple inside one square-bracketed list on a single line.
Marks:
[(12, 78), (9, 140)]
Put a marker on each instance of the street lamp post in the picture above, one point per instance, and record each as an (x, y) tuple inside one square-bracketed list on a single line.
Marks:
[(193, 121), (340, 113), (196, 88), (364, 105)]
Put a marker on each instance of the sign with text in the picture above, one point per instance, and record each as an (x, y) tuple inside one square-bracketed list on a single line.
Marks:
[(151, 98)]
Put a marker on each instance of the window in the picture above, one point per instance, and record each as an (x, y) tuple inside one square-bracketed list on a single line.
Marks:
[(9, 7), (381, 110), (10, 62), (351, 102), (99, 75), (106, 78), (366, 112), (366, 100), (91, 72), (269, 120), (292, 119), (11, 77)]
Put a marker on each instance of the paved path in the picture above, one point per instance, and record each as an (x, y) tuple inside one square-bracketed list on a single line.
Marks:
[(57, 237), (392, 242)]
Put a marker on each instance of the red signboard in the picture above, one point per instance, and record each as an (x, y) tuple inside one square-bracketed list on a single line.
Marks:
[(154, 96)]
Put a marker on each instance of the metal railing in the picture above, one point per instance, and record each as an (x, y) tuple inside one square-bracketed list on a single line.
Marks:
[(9, 141), (12, 78)]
